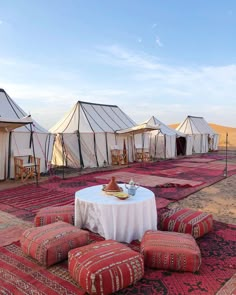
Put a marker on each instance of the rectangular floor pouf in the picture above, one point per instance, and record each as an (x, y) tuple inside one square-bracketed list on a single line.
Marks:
[(105, 267), (51, 214), (51, 243), (170, 250), (186, 220)]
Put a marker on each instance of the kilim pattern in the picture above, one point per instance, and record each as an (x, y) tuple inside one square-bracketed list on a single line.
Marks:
[(51, 243), (105, 267), (49, 215), (168, 250), (185, 220)]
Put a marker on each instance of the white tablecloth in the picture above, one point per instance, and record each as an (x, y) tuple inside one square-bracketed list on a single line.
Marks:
[(120, 220)]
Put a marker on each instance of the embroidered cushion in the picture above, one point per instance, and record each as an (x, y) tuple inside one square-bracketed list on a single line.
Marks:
[(186, 220), (52, 214), (51, 243), (170, 250), (105, 267)]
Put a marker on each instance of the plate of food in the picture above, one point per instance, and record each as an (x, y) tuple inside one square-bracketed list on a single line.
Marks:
[(121, 195)]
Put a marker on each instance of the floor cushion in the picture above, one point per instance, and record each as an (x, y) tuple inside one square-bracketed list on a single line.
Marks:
[(105, 267), (170, 250), (186, 220), (52, 214), (51, 243)]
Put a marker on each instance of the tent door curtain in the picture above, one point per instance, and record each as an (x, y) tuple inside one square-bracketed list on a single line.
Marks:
[(181, 146), (4, 155)]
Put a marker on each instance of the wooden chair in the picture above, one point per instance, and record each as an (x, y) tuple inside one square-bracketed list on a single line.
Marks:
[(37, 160), (138, 154), (146, 155), (142, 155), (25, 167), (115, 156), (124, 158)]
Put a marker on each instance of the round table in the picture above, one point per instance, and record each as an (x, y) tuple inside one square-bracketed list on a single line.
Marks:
[(120, 220)]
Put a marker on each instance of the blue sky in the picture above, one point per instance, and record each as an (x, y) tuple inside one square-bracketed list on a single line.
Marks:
[(169, 59)]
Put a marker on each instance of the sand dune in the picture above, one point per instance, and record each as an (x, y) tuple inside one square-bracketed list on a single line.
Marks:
[(221, 130)]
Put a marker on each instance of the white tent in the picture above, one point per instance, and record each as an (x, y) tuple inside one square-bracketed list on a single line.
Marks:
[(166, 142), (204, 137), (17, 135), (86, 135)]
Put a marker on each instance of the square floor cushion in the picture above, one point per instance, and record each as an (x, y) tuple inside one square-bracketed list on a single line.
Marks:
[(51, 243), (105, 267), (186, 220), (170, 250), (49, 215)]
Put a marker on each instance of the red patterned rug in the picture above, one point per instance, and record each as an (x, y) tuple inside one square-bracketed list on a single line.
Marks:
[(172, 183), (149, 180), (23, 202), (22, 275), (212, 165), (198, 160)]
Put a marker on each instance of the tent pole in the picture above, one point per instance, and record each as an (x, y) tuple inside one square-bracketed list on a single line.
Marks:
[(80, 151), (9, 155), (63, 157), (35, 164), (226, 156), (107, 152), (95, 148)]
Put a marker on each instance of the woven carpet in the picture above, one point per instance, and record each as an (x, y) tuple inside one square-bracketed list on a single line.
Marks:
[(23, 202), (149, 180), (11, 228), (168, 181), (212, 165), (20, 274), (198, 160)]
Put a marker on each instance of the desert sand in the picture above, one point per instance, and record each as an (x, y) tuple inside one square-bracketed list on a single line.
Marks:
[(218, 199)]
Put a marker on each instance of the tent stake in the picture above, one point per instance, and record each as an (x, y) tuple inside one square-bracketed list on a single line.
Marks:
[(226, 156)]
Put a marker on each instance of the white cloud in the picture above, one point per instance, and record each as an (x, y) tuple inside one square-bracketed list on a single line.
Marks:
[(1, 22), (146, 87), (158, 42), (120, 56)]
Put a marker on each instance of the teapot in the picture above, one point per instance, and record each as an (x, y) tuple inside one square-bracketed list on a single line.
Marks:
[(132, 187)]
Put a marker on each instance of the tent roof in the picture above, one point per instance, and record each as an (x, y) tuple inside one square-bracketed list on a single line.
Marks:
[(164, 128), (195, 125), (9, 110), (8, 125), (93, 117), (144, 127)]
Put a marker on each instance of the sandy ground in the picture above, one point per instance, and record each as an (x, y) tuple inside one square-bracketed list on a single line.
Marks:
[(218, 199)]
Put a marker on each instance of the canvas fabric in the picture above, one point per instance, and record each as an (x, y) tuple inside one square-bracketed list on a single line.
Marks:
[(185, 220), (51, 243), (105, 267), (169, 250), (49, 215)]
